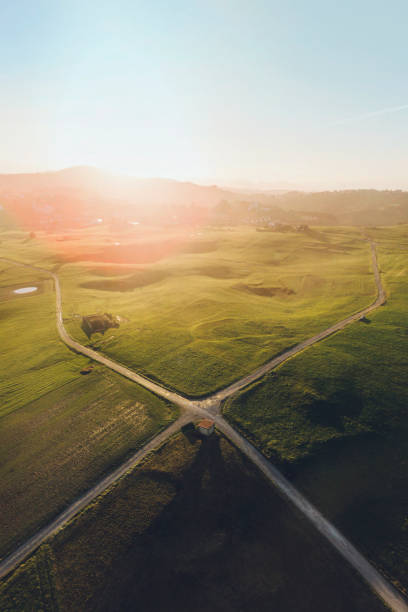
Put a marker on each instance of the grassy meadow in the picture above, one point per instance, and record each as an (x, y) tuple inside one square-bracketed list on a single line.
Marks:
[(195, 527), (335, 416), (220, 306), (59, 430)]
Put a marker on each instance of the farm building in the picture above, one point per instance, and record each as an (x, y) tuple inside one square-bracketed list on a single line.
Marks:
[(95, 323), (205, 427)]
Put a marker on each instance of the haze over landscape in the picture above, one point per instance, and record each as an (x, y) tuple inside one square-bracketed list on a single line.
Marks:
[(203, 306), (293, 96)]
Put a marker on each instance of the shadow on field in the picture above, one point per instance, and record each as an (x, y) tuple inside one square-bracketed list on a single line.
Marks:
[(332, 412), (228, 542), (141, 278), (190, 433), (264, 291), (361, 485)]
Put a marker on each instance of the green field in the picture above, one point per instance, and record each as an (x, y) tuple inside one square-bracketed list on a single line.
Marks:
[(214, 309), (203, 317), (196, 527), (59, 430), (197, 319), (335, 417)]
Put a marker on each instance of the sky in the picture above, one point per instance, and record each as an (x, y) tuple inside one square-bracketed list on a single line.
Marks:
[(243, 93)]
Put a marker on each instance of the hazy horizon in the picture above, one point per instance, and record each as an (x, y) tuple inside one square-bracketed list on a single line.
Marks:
[(265, 96), (226, 184)]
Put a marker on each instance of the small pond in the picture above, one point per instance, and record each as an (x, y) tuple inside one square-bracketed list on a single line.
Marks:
[(25, 290)]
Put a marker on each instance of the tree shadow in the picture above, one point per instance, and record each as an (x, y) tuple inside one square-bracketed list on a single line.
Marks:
[(365, 320)]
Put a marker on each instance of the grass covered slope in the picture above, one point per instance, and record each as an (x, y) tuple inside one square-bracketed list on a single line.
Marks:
[(32, 356), (201, 318), (59, 430), (196, 527), (337, 414)]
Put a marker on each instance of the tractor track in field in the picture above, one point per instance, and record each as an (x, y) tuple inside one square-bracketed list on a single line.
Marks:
[(210, 407)]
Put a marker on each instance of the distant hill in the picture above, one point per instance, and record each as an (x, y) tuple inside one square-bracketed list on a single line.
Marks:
[(347, 207), (75, 196), (350, 207), (78, 195), (92, 182)]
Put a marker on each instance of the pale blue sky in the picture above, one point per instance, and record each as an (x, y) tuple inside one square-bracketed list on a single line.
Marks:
[(264, 92)]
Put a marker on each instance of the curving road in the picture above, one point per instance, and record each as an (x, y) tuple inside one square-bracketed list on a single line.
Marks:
[(210, 406), (211, 402)]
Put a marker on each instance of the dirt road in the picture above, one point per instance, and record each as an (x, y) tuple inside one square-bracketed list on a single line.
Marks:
[(380, 585), (210, 406), (23, 551)]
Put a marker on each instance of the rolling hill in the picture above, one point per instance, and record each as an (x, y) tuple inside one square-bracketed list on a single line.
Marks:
[(80, 195)]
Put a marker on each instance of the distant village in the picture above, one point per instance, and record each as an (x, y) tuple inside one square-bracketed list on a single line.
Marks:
[(58, 213)]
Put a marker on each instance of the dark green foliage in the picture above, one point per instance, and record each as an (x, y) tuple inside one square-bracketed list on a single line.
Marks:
[(98, 323)]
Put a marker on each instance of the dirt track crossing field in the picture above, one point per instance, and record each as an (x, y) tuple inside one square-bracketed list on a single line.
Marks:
[(210, 406)]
